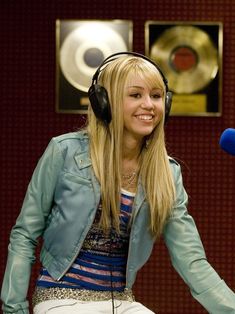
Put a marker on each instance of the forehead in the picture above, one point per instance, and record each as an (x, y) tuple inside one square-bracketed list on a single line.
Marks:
[(144, 80)]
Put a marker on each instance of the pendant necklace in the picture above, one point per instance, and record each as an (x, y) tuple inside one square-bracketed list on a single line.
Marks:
[(129, 180)]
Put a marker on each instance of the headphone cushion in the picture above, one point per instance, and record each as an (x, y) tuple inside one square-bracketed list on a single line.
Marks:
[(168, 102), (99, 100)]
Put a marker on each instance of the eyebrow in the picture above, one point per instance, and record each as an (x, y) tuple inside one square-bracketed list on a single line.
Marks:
[(135, 86), (140, 87)]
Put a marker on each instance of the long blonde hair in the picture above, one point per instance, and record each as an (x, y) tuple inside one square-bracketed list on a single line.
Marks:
[(106, 147)]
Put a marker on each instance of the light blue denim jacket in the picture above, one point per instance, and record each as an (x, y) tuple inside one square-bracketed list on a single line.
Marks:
[(60, 204)]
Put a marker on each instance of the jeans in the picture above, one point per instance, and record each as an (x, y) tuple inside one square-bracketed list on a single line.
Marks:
[(70, 306)]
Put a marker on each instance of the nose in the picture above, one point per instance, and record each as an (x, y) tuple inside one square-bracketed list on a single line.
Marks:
[(147, 103)]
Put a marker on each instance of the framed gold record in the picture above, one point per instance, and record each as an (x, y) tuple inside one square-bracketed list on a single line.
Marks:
[(81, 45), (190, 56)]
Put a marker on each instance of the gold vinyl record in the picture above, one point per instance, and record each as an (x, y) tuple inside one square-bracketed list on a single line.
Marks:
[(188, 58), (84, 49)]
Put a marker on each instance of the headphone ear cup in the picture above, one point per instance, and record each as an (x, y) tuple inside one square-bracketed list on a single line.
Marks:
[(168, 102), (99, 100)]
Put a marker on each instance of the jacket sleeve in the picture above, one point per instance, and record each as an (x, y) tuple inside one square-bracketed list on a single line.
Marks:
[(189, 259), (28, 228)]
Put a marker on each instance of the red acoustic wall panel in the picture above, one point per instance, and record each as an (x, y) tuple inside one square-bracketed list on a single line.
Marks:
[(29, 120)]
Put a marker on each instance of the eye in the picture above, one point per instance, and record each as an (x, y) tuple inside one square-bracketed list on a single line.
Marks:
[(156, 96), (135, 95)]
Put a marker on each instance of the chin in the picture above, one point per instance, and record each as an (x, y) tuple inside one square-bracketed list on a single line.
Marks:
[(144, 133), (147, 131)]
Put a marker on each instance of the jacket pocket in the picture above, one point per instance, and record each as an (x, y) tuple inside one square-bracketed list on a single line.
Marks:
[(77, 179)]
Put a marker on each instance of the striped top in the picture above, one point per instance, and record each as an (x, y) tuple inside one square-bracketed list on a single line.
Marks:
[(101, 262)]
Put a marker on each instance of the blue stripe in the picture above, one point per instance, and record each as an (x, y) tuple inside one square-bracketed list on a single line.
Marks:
[(99, 267), (126, 208), (83, 285), (129, 197), (47, 284), (117, 261)]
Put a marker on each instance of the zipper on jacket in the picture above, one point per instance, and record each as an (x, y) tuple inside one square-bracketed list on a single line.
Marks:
[(129, 247), (135, 212)]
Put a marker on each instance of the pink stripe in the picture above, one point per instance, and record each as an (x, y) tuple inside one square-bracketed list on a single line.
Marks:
[(126, 201), (96, 271), (99, 282)]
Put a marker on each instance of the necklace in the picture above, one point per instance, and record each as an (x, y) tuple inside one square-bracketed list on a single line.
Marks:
[(129, 180)]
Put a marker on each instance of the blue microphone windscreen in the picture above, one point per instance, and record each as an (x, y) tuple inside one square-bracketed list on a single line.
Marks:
[(227, 141)]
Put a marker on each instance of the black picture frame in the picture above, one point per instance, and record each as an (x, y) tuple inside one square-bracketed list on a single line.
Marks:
[(190, 55)]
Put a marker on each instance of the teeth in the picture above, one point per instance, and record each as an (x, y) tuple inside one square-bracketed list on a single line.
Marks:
[(145, 117)]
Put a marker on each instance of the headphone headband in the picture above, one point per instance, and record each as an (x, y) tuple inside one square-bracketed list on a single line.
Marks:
[(136, 54)]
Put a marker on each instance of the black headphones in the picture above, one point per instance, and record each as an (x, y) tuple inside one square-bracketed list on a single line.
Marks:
[(98, 95)]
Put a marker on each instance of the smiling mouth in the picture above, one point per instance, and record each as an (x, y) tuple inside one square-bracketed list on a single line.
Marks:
[(145, 117)]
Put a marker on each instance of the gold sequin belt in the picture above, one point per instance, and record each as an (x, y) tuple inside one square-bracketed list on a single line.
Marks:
[(45, 294)]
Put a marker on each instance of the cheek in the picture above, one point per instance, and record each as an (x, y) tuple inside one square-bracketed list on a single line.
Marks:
[(160, 110), (125, 108)]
